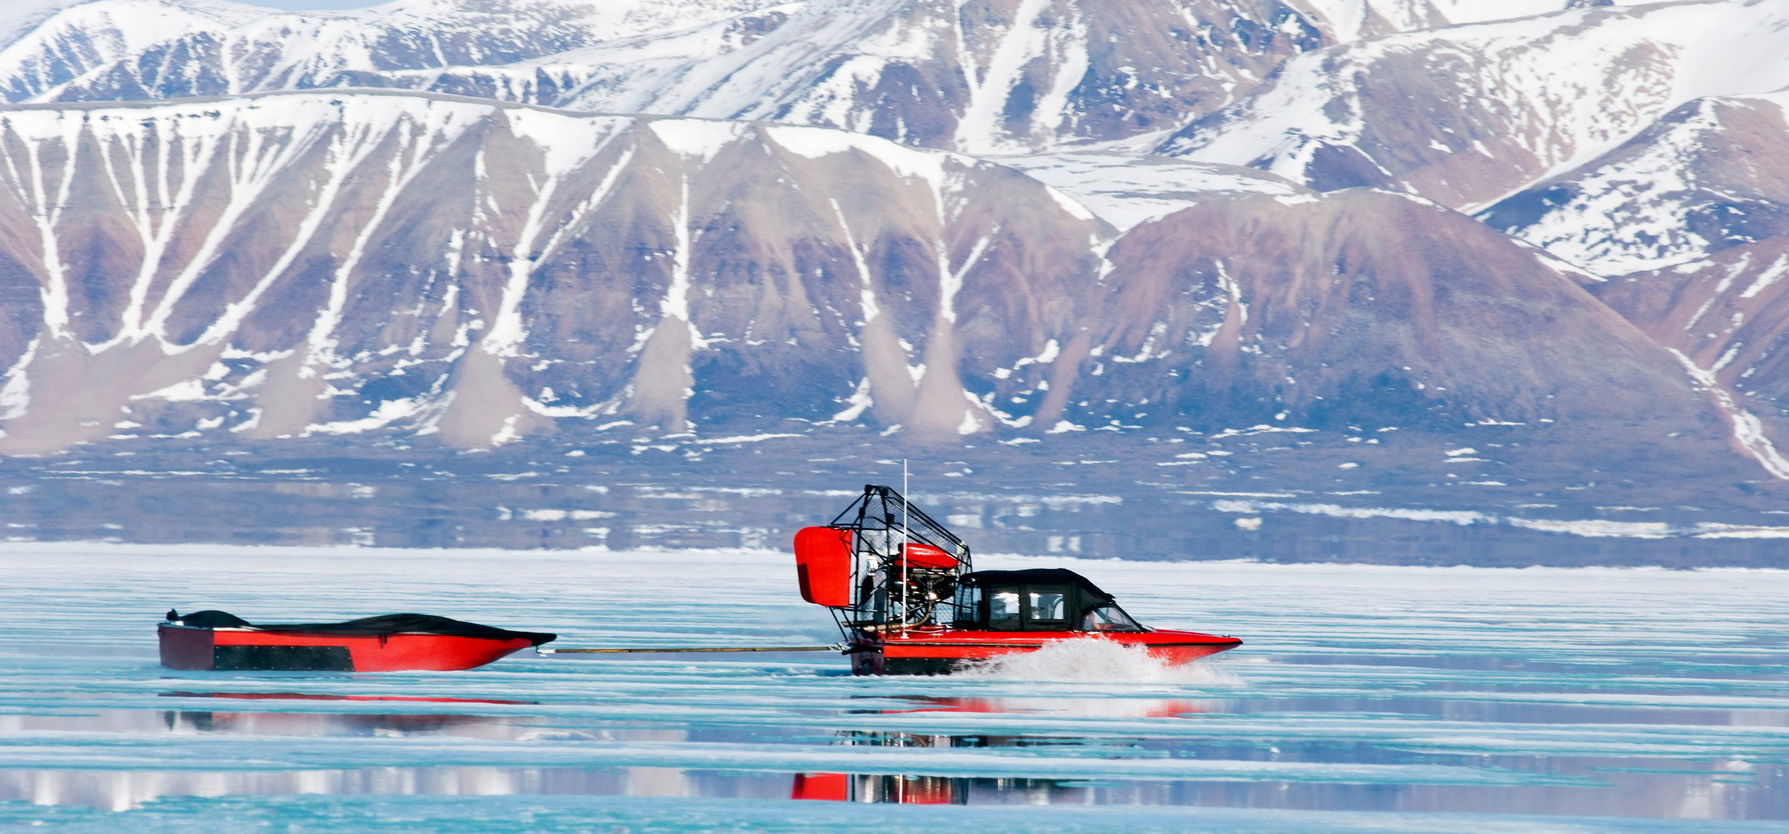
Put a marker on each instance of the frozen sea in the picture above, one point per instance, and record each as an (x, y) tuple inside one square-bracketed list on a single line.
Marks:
[(1365, 698)]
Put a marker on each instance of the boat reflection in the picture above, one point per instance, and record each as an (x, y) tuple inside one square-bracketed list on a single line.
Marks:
[(1077, 707), (318, 696), (912, 789), (905, 790), (295, 716), (920, 789), (337, 723)]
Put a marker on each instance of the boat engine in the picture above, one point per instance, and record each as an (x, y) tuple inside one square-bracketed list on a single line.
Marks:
[(881, 565)]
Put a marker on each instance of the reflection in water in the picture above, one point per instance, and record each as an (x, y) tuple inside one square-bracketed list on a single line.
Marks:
[(118, 790), (121, 790), (942, 790), (1605, 786), (339, 723), (315, 696), (336, 724), (1092, 707), (912, 789), (328, 724), (1021, 750)]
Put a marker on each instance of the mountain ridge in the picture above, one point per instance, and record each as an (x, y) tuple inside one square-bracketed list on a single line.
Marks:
[(941, 220)]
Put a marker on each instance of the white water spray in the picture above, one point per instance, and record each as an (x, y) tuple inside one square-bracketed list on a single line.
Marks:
[(1097, 660)]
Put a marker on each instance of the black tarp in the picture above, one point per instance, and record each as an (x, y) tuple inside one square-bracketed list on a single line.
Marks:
[(208, 619), (380, 626), (1036, 577)]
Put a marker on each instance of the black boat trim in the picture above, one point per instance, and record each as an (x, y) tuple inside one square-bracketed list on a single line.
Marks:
[(381, 626)]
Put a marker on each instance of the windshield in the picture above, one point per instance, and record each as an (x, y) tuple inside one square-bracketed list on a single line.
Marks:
[(1109, 617)]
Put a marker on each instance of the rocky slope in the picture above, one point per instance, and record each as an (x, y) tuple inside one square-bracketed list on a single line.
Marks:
[(319, 263), (970, 75), (1468, 115), (1368, 308), (1725, 320), (1001, 219), (1711, 175), (1692, 216)]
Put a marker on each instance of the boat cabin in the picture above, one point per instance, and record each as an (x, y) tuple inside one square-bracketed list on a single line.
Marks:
[(1040, 599)]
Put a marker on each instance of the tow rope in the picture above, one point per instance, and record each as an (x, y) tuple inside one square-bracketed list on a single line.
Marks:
[(694, 649)]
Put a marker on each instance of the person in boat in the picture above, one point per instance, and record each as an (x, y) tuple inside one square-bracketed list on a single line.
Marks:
[(1109, 618)]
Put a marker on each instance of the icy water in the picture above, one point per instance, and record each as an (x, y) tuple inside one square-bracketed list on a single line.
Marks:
[(1364, 699)]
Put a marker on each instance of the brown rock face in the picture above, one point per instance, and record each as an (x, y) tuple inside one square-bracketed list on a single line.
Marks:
[(1369, 308), (308, 264), (1727, 318), (304, 263), (1693, 214)]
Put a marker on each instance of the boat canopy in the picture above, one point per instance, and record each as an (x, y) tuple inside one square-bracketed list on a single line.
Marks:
[(1039, 599)]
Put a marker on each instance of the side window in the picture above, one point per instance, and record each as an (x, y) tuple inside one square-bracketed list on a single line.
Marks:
[(1045, 608), (1003, 610), (967, 611)]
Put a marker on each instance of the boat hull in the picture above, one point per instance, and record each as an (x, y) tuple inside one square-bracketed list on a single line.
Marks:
[(231, 649), (942, 651)]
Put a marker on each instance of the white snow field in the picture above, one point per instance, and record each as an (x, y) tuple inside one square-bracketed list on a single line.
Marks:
[(1364, 699)]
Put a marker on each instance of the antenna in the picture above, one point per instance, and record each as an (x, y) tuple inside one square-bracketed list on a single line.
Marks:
[(904, 614)]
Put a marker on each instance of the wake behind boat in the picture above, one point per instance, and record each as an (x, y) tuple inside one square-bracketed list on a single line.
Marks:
[(905, 594), (218, 640)]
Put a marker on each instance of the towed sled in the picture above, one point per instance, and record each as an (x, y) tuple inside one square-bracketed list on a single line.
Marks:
[(216, 640), (905, 595)]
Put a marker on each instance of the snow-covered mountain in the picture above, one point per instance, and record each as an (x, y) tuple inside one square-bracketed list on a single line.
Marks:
[(1467, 115), (944, 74), (970, 75), (1368, 308), (327, 263), (334, 263), (1692, 216), (941, 217), (1711, 175), (137, 49), (1646, 141)]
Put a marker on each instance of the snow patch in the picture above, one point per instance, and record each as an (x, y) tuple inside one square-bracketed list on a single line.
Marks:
[(911, 163), (699, 140), (1748, 430), (1597, 528), (1460, 517), (388, 412)]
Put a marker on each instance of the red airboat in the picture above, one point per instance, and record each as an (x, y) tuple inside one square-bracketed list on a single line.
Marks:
[(905, 595)]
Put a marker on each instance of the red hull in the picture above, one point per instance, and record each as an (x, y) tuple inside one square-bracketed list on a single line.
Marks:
[(940, 650), (189, 647)]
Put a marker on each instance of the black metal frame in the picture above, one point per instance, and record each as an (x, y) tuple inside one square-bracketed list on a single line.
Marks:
[(887, 594)]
